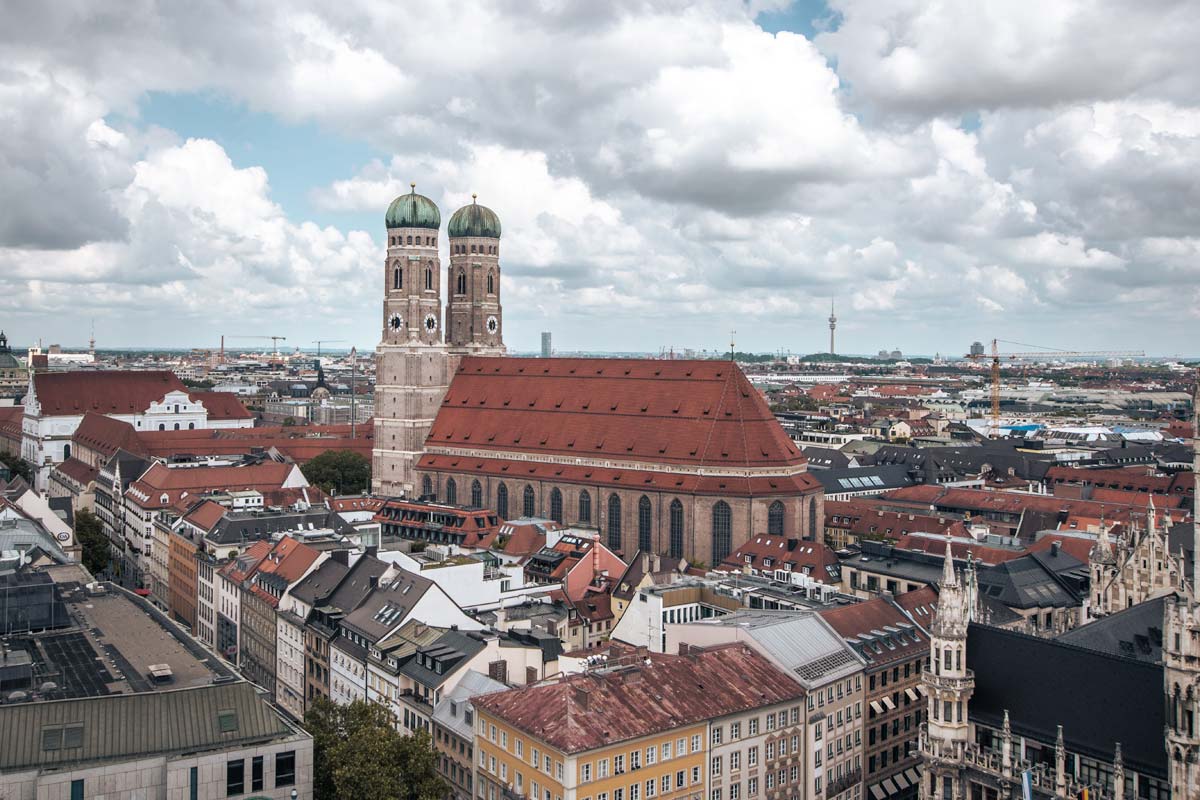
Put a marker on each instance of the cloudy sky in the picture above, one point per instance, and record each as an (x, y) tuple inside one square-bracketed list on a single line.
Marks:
[(665, 171)]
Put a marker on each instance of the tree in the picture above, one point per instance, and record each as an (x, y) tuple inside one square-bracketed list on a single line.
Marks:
[(17, 466), (357, 752), (339, 472), (90, 536)]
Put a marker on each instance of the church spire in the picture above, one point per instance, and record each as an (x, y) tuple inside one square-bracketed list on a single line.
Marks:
[(949, 577)]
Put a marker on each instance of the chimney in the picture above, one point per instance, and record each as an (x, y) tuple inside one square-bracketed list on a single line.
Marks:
[(1054, 546), (341, 556), (373, 581), (582, 695)]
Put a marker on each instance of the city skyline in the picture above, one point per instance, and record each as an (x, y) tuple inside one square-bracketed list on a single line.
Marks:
[(690, 171)]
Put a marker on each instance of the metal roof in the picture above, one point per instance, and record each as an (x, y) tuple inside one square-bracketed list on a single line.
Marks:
[(800, 641), (125, 726)]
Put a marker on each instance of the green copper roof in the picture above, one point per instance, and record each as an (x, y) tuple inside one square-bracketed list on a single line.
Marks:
[(413, 210), (474, 220)]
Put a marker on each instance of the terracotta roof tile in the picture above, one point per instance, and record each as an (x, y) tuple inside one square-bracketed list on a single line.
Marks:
[(107, 392)]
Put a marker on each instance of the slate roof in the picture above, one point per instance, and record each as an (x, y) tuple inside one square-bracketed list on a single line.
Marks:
[(238, 526), (1031, 582), (688, 413), (1099, 699), (451, 650), (320, 583), (388, 605), (131, 726), (584, 711), (106, 392), (877, 479), (1131, 633)]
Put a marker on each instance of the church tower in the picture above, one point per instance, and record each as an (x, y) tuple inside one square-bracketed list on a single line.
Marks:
[(949, 686), (474, 324), (1181, 654), (412, 367)]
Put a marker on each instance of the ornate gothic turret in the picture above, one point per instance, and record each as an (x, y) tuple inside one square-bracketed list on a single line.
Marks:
[(949, 686), (1181, 672)]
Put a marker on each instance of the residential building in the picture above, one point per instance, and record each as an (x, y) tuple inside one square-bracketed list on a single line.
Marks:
[(454, 732)]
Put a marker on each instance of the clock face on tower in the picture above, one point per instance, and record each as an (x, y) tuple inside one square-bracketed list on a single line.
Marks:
[(396, 323), (492, 325), (431, 323)]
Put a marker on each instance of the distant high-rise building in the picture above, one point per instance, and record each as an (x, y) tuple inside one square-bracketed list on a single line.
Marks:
[(832, 327), (976, 348), (547, 349)]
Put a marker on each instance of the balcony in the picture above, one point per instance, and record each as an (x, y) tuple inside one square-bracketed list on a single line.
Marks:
[(845, 782)]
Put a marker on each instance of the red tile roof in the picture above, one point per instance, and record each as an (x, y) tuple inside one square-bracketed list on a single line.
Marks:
[(921, 604), (289, 559), (937, 545), (585, 711), (222, 405), (107, 435), (299, 444), (77, 471), (206, 515), (811, 558), (694, 413), (244, 565), (1129, 479), (985, 501), (111, 392), (183, 482), (869, 619)]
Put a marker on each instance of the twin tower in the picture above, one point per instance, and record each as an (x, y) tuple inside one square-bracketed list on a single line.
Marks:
[(421, 345)]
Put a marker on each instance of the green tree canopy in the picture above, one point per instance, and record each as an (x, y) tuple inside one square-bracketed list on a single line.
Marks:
[(358, 752), (339, 472), (90, 536), (18, 466)]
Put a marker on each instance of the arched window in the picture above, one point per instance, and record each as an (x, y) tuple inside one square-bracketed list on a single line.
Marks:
[(472, 248), (502, 501), (66, 451), (556, 505), (451, 492), (462, 282), (614, 522), (397, 277), (191, 426), (529, 502), (722, 532), (162, 427), (491, 284), (176, 426), (812, 519), (427, 486), (676, 514), (476, 494), (585, 507), (775, 519), (428, 278), (410, 240), (644, 520)]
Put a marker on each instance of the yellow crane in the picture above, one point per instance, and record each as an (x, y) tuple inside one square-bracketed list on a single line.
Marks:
[(319, 342), (1046, 354)]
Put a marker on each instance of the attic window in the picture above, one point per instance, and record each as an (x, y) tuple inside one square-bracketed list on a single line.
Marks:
[(227, 721), (706, 410), (507, 400)]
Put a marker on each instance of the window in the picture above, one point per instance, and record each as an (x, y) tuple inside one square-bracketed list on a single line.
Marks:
[(77, 788), (770, 750), (235, 778), (752, 787), (618, 765), (775, 519), (665, 783), (428, 278), (462, 282), (285, 768), (675, 549), (666, 751), (651, 788), (614, 522), (716, 794), (716, 735), (193, 784), (491, 284), (651, 755), (585, 507), (476, 494), (256, 774), (585, 773), (722, 531), (427, 486), (754, 726), (397, 277), (529, 502), (635, 759), (451, 492), (680, 779), (716, 766), (696, 743), (602, 768), (752, 757), (635, 792), (735, 761), (695, 774), (644, 524), (502, 501), (770, 722), (556, 505), (735, 791)]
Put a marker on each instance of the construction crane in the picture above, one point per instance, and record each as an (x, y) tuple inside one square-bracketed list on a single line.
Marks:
[(1045, 354), (319, 342), (275, 340)]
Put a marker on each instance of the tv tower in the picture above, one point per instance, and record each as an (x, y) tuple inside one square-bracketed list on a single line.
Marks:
[(832, 327)]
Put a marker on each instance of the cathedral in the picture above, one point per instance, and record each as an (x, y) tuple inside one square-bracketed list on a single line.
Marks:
[(681, 457)]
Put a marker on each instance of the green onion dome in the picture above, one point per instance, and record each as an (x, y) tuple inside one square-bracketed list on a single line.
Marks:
[(474, 220), (413, 210)]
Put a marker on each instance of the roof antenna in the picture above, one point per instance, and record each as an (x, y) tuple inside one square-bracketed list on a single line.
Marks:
[(731, 349)]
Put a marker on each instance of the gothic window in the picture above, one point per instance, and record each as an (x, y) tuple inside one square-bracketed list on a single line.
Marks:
[(812, 518), (397, 277), (676, 514), (614, 522), (476, 494), (428, 278), (644, 520), (491, 284), (529, 501), (451, 492), (462, 282), (722, 532), (585, 507), (556, 505), (502, 501), (775, 519), (427, 486)]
